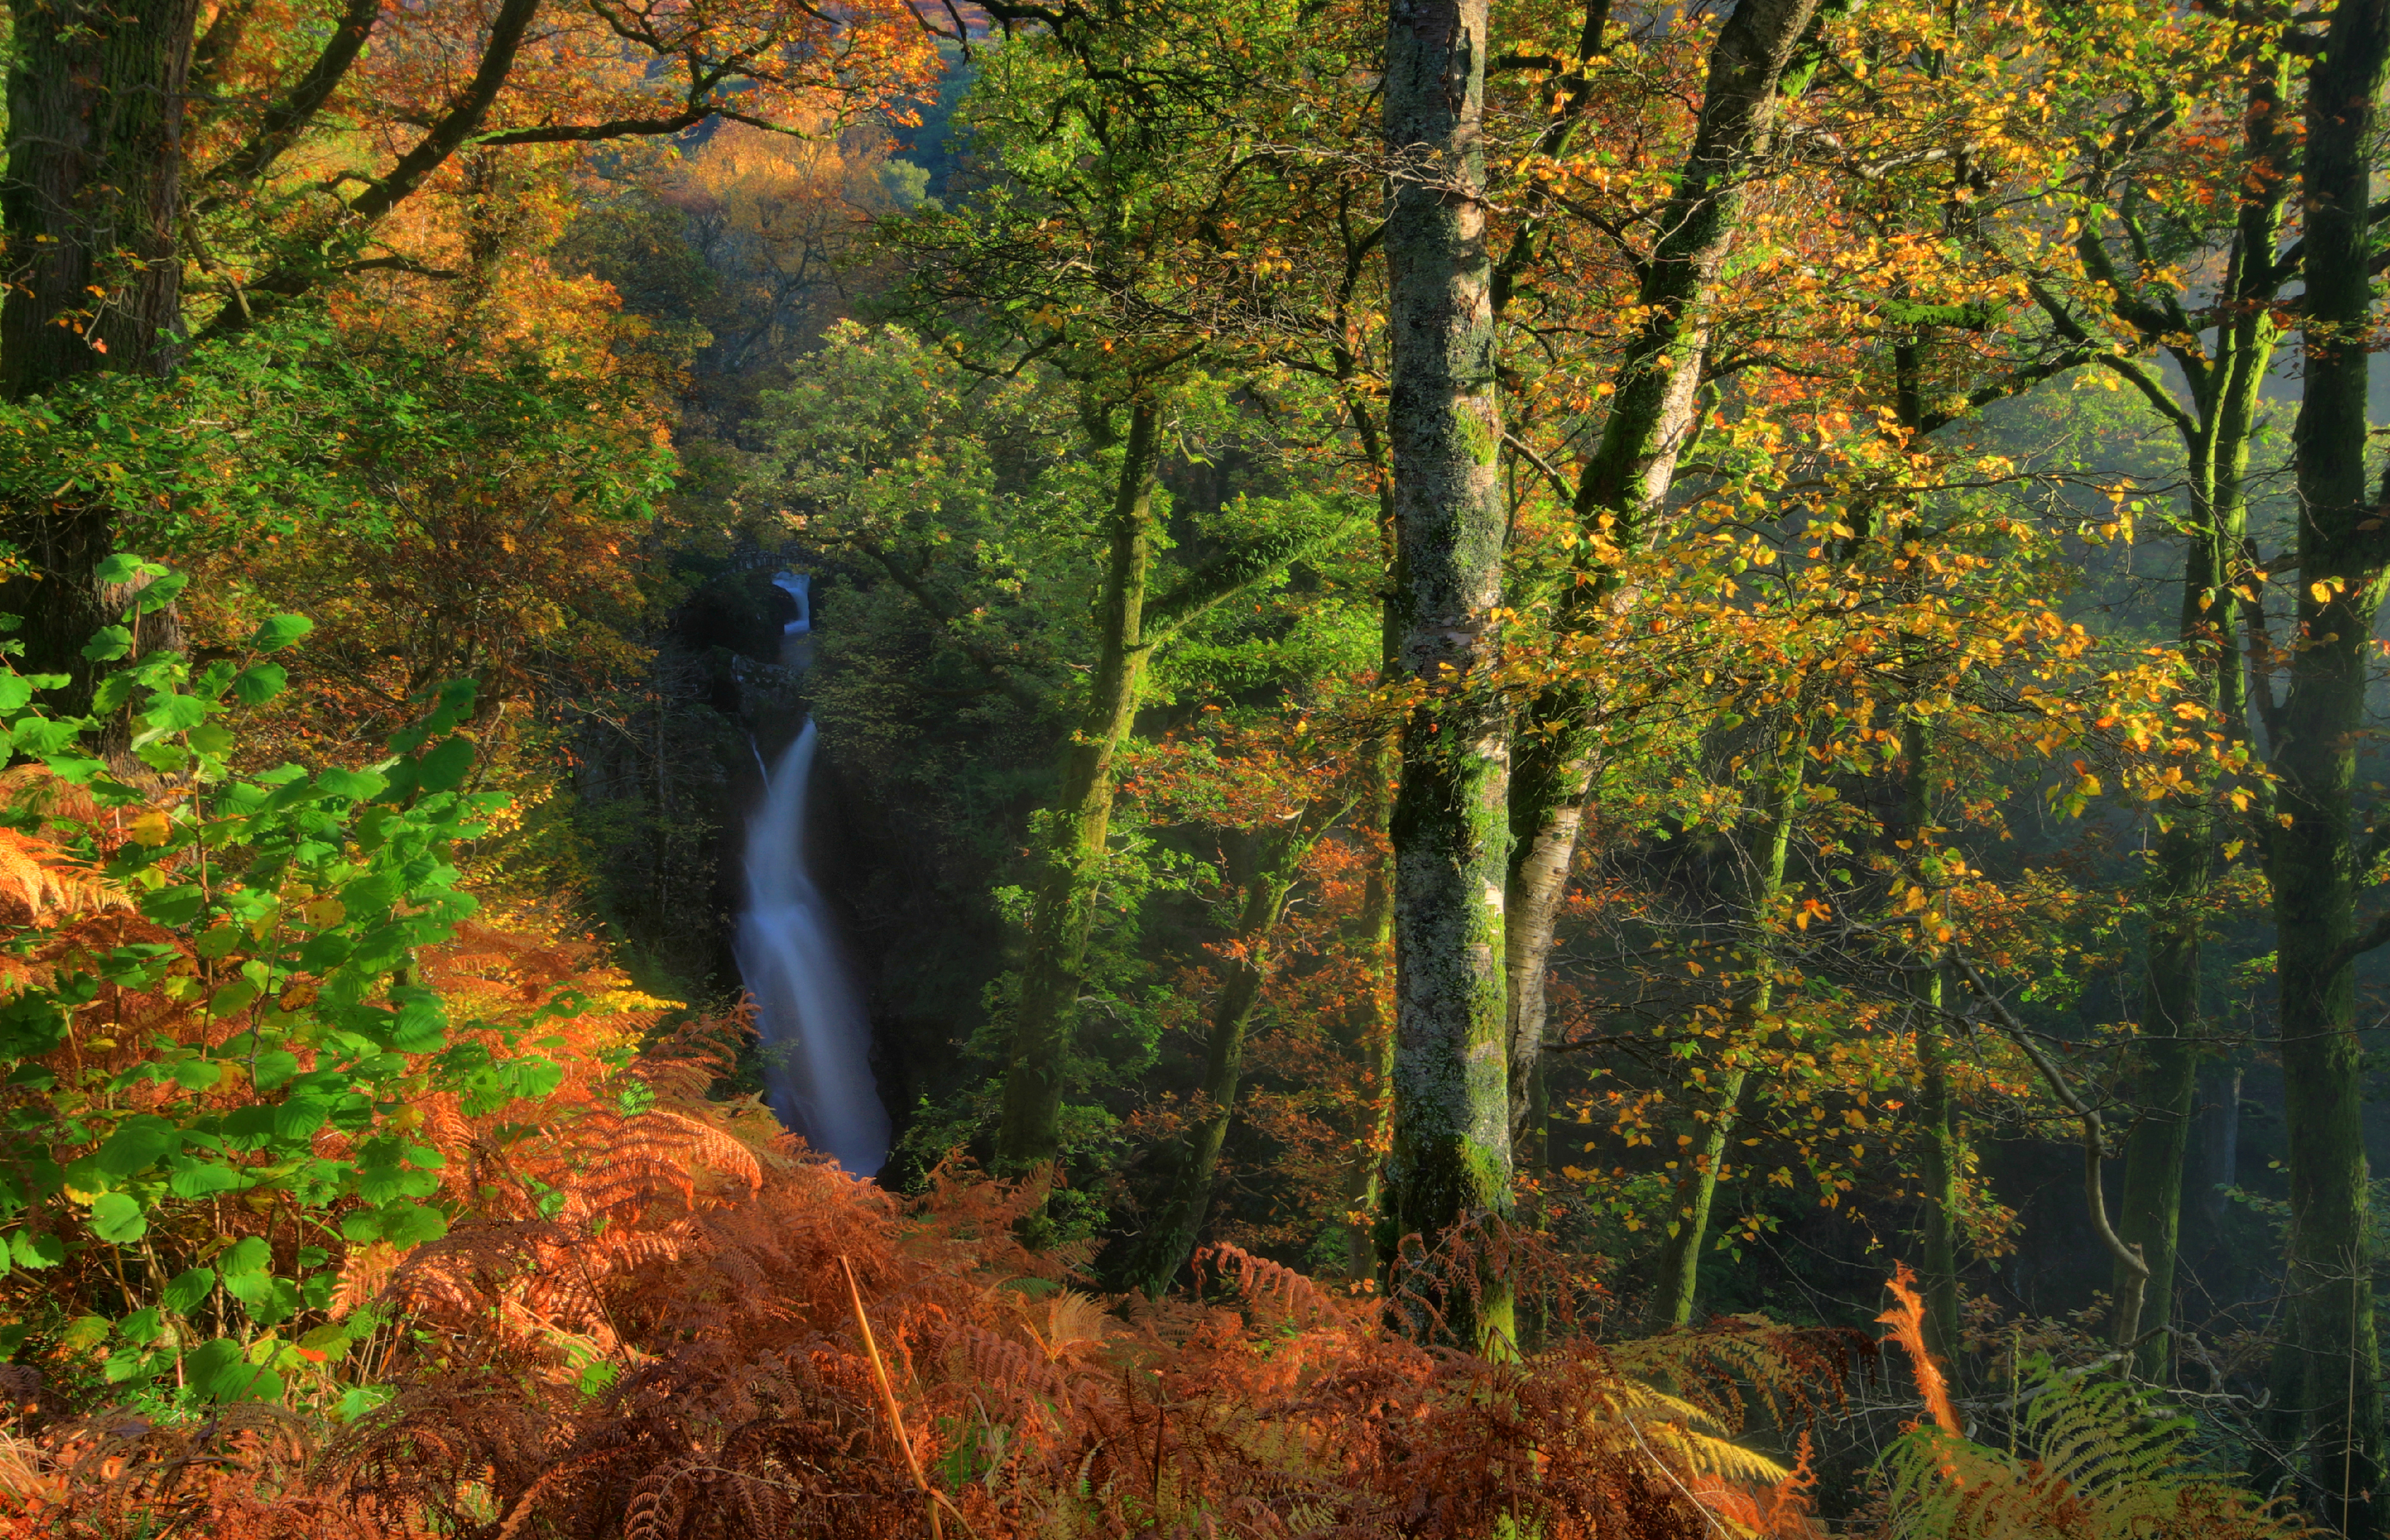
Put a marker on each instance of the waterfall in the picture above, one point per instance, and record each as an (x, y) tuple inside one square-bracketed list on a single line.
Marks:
[(799, 588), (817, 1037)]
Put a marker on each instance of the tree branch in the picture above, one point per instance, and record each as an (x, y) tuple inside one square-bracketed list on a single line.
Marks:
[(286, 118), (2095, 1147)]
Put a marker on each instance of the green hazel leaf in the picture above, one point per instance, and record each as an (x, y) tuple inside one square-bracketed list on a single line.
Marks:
[(411, 1224), (443, 768), (300, 1117), (160, 594), (15, 692), (122, 567), (258, 683), (114, 692), (272, 1068), (117, 1219), (247, 1256), (36, 1250), (108, 643), (277, 631), (205, 1179), (172, 713), (357, 785), (137, 1144), (212, 738), (218, 1371)]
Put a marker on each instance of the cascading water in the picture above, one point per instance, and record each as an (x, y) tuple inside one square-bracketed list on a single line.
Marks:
[(817, 1037)]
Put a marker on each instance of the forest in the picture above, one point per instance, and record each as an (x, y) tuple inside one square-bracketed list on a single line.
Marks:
[(1107, 768)]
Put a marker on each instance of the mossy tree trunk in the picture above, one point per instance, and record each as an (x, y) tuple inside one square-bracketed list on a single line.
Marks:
[(1062, 910), (96, 101), (2343, 554), (1678, 1279), (2216, 429), (1451, 1155)]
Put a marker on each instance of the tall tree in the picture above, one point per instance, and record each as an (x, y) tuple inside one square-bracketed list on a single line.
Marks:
[(1625, 478), (1451, 1158), (2343, 569)]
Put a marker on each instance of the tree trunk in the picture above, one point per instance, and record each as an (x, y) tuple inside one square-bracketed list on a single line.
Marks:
[(1679, 1278), (1062, 912), (1375, 1040), (1451, 1157), (97, 94), (2343, 555), (1652, 418), (2223, 417), (1190, 1160)]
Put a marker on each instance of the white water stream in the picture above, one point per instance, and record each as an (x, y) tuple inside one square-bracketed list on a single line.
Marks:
[(817, 1036)]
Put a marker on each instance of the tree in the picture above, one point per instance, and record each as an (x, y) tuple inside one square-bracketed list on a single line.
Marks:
[(109, 192), (2344, 556)]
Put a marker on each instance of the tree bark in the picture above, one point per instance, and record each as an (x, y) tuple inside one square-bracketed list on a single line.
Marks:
[(1650, 421), (1451, 1154), (1062, 912), (2343, 554), (96, 95), (2216, 429)]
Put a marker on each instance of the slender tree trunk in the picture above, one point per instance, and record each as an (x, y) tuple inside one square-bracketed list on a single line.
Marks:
[(1375, 1042), (2224, 411), (1190, 1160), (97, 94), (1451, 1155), (1652, 418), (1062, 912), (1679, 1278), (2344, 551), (1944, 1158)]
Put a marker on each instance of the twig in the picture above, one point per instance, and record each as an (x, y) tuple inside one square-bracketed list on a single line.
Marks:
[(932, 1498)]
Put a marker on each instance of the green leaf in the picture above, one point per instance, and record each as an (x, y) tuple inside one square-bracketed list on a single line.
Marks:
[(300, 1117), (258, 683), (117, 1219), (445, 767), (217, 1371), (171, 713), (277, 631), (246, 1256), (108, 643), (137, 1144), (15, 692), (36, 1250), (204, 1179), (272, 1068), (188, 1289), (357, 785), (411, 1224)]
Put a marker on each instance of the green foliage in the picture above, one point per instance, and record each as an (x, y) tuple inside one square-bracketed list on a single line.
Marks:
[(2094, 1460), (293, 427), (216, 1027)]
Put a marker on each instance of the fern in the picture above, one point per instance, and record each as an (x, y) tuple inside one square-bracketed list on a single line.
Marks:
[(2097, 1460)]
